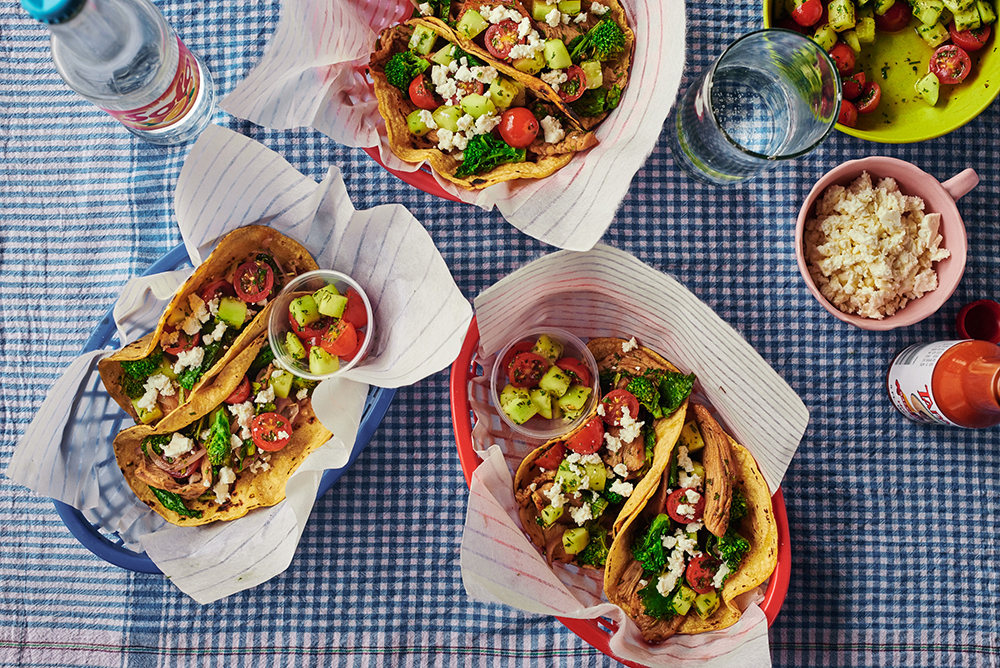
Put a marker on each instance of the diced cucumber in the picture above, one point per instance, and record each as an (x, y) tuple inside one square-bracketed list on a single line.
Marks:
[(683, 598), (476, 105), (865, 30), (145, 416), (520, 408), (532, 65), (598, 505), (540, 9), (502, 92), (825, 36), (508, 394), (547, 348), (594, 73), (571, 7), (850, 38), (322, 362), (471, 24), (568, 479), (555, 381), (928, 87), (282, 383), (575, 539), (691, 438), (598, 476), (166, 369), (330, 302), (550, 514), (956, 6), (232, 311), (415, 124), (699, 469), (543, 403), (987, 12), (304, 310), (574, 400), (935, 35), (443, 55), (423, 40), (706, 604), (928, 11), (293, 345), (882, 6), (556, 55), (967, 19), (841, 14), (446, 117)]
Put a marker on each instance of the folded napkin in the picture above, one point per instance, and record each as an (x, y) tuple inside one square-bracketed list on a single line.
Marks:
[(421, 319), (607, 292), (313, 75)]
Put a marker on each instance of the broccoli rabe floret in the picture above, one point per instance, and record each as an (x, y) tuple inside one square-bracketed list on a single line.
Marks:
[(674, 389), (484, 152), (737, 507), (730, 548), (144, 368), (648, 394), (403, 67), (133, 388), (602, 41), (613, 497), (156, 442), (596, 552), (648, 548)]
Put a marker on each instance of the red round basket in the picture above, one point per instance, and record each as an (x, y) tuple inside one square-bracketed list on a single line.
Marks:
[(595, 632), (421, 179)]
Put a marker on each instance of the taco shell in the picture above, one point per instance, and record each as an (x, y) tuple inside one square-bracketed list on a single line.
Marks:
[(251, 489), (235, 246)]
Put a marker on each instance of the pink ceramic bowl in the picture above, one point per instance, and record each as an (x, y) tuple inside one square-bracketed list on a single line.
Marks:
[(938, 198)]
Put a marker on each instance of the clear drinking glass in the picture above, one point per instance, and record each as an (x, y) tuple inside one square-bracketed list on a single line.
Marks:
[(772, 95)]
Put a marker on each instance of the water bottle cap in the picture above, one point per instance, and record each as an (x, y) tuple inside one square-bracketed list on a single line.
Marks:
[(52, 11)]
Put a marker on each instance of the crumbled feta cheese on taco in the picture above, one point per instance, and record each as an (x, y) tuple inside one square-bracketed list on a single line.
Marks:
[(693, 496), (448, 140), (170, 338), (623, 488), (427, 118), (425, 9), (598, 9), (555, 496), (465, 122), (213, 306), (621, 470), (629, 345), (265, 396), (684, 510), (524, 27), (282, 435), (199, 315), (581, 514), (301, 394), (262, 463), (216, 334), (580, 18), (439, 74), (278, 373), (720, 575), (221, 489), (685, 542), (600, 409), (235, 442), (243, 414), (553, 130), (177, 446), (486, 123), (683, 460), (554, 78), (564, 19), (189, 358), (690, 480), (612, 443), (155, 385), (631, 429)]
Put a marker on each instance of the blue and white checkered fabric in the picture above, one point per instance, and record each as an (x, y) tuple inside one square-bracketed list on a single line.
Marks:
[(893, 525)]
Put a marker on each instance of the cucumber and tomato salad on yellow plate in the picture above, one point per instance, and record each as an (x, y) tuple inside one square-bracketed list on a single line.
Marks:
[(910, 71)]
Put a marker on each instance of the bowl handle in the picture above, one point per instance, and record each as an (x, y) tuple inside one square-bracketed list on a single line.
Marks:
[(961, 183)]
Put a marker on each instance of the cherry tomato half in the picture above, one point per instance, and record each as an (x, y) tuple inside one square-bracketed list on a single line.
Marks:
[(576, 368), (519, 347), (312, 329), (241, 393), (184, 342), (871, 95), (701, 572), (527, 369), (501, 38), (221, 287), (853, 85), (467, 88), (355, 312), (253, 281), (808, 13), (308, 343), (895, 18), (848, 114), (951, 64), (970, 40), (679, 498), (421, 95), (518, 127), (340, 339), (575, 84), (615, 403), (843, 58), (270, 431), (550, 460), (589, 439), (348, 356)]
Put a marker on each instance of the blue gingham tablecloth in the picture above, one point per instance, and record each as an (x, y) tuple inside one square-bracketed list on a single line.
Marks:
[(893, 525)]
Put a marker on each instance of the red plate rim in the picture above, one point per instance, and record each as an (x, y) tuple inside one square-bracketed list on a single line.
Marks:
[(597, 632), (420, 179)]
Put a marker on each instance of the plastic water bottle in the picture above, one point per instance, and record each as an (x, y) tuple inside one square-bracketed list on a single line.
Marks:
[(123, 56)]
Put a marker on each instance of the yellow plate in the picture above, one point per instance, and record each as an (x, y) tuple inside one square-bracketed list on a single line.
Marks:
[(895, 61)]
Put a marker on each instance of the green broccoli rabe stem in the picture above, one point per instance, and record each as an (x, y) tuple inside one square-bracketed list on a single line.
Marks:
[(648, 548), (144, 368), (403, 67), (602, 41), (484, 152)]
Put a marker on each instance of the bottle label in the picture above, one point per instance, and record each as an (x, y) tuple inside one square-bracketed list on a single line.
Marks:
[(909, 382), (176, 101)]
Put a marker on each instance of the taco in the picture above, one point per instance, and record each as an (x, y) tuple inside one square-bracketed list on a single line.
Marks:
[(574, 493), (218, 310), (705, 536), (227, 456)]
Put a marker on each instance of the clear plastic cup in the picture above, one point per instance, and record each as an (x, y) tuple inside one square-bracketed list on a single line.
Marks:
[(278, 324), (538, 427)]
